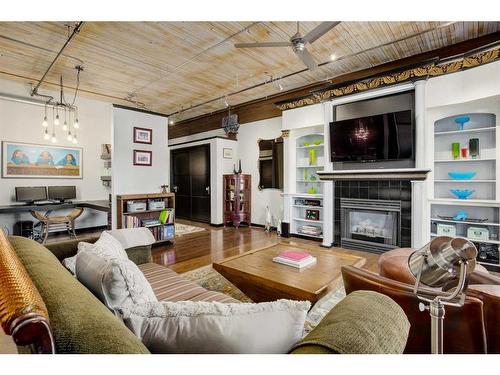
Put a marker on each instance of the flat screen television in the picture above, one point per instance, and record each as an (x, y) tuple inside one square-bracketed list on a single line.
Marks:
[(384, 137)]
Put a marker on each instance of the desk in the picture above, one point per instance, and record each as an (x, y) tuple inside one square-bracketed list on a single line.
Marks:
[(99, 205)]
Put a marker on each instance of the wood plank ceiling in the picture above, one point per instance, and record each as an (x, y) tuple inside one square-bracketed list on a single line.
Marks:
[(169, 66)]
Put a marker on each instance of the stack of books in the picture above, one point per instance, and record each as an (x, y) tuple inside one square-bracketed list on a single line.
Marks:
[(297, 259)]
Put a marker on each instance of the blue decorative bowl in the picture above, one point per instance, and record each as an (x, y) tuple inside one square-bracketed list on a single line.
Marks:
[(462, 193), (461, 121), (462, 175)]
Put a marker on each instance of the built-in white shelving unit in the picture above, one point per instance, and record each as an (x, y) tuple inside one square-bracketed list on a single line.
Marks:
[(309, 158), (482, 207)]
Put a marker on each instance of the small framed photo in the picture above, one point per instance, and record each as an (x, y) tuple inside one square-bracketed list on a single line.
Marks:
[(143, 135), (227, 153), (312, 214), (142, 157)]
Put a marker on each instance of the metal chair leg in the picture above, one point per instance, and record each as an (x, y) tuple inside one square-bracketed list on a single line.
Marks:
[(46, 225), (73, 229)]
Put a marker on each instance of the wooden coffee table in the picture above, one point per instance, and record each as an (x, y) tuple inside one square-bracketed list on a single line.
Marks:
[(263, 280)]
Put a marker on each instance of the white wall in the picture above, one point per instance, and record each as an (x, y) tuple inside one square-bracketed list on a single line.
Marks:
[(128, 178), (218, 167), (21, 122), (246, 149), (248, 152), (469, 85)]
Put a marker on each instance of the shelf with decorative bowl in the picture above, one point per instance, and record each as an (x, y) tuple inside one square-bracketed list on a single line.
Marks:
[(486, 223), (476, 130), (463, 160), (466, 181), (474, 240)]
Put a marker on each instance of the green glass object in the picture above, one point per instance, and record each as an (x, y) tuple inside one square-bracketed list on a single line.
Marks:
[(305, 174), (312, 157), (455, 150), (312, 190)]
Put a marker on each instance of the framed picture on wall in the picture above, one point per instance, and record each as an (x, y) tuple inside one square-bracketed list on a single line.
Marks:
[(142, 157), (28, 160), (227, 153), (143, 135)]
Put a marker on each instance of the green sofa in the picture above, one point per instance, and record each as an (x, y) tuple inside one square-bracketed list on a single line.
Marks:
[(364, 322)]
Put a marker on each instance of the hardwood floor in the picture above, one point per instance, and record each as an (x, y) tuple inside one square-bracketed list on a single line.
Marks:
[(200, 249)]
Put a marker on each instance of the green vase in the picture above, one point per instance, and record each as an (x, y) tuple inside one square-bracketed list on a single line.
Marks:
[(305, 174), (455, 150), (312, 157)]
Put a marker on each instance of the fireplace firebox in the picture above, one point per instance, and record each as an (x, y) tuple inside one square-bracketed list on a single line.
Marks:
[(370, 225)]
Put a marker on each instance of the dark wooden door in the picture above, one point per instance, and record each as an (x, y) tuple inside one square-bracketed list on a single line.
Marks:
[(190, 175)]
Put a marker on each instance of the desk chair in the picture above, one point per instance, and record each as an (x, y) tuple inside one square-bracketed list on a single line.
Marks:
[(56, 222)]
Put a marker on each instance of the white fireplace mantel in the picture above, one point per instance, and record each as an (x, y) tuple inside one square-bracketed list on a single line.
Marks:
[(411, 174)]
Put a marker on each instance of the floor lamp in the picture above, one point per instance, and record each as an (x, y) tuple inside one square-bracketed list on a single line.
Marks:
[(444, 263)]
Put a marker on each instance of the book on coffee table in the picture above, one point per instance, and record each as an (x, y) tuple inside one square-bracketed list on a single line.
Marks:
[(297, 259)]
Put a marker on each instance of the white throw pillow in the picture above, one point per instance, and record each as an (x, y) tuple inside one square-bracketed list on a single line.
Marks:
[(106, 246), (116, 282), (214, 327)]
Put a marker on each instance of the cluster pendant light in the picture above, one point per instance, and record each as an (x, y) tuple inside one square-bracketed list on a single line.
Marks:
[(69, 126), (64, 114)]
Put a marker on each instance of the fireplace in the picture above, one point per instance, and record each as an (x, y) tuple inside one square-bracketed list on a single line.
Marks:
[(370, 225)]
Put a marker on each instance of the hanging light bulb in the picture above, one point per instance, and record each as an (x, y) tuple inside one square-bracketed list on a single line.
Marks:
[(75, 141), (65, 125), (46, 135), (44, 122), (56, 120), (76, 125), (69, 137), (54, 139)]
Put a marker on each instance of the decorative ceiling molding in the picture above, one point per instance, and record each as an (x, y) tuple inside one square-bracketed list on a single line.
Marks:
[(433, 69)]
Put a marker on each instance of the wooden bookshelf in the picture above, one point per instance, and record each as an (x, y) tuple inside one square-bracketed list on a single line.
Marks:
[(134, 219)]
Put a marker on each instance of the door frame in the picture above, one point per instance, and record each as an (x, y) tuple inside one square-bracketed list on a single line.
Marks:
[(208, 147)]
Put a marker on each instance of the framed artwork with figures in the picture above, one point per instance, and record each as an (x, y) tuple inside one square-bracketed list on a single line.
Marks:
[(143, 135), (143, 158), (28, 160)]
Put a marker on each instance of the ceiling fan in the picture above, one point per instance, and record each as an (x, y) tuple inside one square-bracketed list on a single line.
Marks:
[(298, 43)]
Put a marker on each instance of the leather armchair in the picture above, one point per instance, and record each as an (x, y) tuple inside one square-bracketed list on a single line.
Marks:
[(482, 286), (464, 327)]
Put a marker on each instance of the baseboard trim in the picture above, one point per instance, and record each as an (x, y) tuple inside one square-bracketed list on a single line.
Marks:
[(306, 237), (263, 226)]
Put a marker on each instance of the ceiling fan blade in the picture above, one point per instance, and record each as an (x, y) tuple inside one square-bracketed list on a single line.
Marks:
[(307, 59), (264, 44), (319, 31)]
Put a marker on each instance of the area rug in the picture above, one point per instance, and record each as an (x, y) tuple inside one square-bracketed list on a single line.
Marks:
[(182, 229), (210, 279)]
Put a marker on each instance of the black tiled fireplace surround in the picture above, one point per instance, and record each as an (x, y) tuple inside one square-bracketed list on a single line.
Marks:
[(390, 190)]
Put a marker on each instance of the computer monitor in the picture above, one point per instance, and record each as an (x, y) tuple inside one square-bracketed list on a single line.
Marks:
[(62, 192), (31, 194)]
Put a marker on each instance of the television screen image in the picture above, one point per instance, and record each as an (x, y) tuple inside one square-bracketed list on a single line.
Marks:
[(383, 137)]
